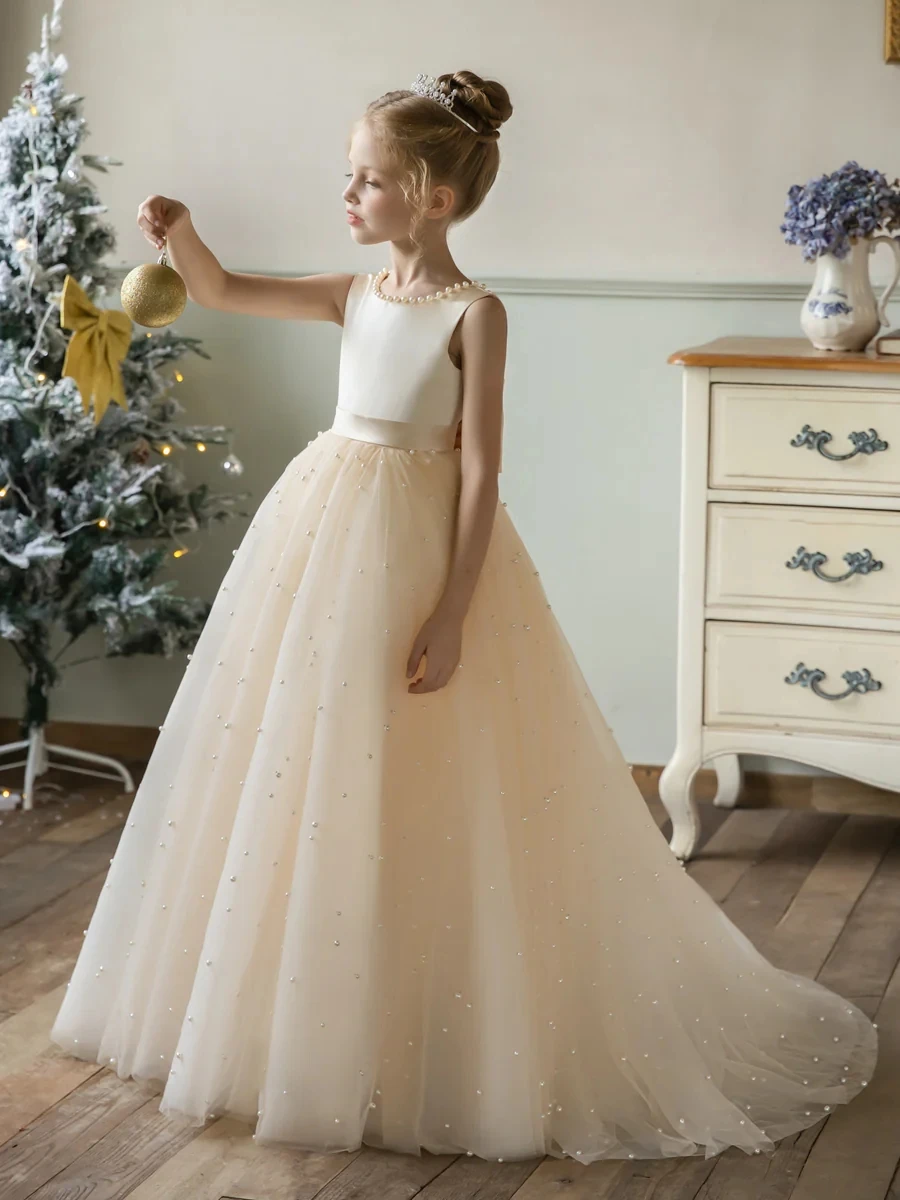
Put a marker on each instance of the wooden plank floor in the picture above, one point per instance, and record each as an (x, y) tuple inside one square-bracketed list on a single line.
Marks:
[(818, 893)]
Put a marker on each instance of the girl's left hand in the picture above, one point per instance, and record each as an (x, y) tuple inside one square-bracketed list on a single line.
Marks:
[(440, 639)]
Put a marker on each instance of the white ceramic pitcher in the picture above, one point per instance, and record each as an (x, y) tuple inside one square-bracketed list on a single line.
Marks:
[(840, 312)]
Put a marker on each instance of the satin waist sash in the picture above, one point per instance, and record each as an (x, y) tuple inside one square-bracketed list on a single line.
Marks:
[(404, 434)]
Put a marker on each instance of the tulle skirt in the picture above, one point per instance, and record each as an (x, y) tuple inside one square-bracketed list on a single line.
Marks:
[(447, 922)]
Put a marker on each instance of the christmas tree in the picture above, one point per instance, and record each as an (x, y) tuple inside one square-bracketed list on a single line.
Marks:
[(89, 509)]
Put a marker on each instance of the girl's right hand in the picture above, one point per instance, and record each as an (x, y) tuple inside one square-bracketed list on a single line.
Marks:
[(159, 216)]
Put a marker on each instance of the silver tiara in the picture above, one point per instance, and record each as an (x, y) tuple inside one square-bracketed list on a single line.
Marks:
[(427, 85)]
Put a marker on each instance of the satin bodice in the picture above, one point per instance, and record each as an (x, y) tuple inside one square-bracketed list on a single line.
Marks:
[(397, 384)]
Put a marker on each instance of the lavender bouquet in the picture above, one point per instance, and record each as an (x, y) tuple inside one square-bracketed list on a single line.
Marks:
[(827, 215)]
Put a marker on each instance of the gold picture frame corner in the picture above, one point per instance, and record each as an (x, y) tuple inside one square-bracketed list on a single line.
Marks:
[(892, 31)]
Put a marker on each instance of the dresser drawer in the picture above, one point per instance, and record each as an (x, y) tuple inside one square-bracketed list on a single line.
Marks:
[(827, 560), (774, 437), (748, 667)]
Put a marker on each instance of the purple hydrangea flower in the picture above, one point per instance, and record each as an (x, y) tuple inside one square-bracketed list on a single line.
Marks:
[(825, 215)]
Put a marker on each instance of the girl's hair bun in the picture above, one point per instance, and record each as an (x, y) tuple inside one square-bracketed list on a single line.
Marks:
[(424, 145), (487, 99)]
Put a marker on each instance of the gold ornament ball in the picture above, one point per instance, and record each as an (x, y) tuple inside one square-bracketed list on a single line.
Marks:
[(153, 295)]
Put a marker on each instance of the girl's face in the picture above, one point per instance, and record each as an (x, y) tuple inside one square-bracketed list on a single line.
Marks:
[(373, 195)]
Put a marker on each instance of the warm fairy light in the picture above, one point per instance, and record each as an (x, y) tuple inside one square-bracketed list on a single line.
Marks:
[(23, 244), (6, 792), (178, 553), (179, 377), (148, 335), (201, 447), (103, 522), (34, 110), (3, 490), (41, 378), (167, 449)]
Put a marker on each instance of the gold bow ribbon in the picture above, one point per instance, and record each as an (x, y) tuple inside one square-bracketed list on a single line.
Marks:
[(101, 340)]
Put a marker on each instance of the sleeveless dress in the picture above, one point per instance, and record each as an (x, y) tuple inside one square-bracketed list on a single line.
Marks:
[(349, 914)]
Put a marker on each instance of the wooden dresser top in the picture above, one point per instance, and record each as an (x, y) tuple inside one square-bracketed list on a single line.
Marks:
[(781, 352)]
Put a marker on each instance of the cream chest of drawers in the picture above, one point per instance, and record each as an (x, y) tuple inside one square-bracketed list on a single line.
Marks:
[(789, 600)]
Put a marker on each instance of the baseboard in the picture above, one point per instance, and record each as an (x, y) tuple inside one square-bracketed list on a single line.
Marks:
[(130, 743), (762, 789)]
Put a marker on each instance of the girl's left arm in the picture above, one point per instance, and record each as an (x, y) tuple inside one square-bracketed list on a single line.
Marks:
[(483, 336)]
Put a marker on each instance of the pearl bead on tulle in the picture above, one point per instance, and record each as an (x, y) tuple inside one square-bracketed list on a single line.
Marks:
[(452, 290)]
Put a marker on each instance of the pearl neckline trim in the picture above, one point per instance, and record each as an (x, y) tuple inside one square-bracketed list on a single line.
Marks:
[(452, 290)]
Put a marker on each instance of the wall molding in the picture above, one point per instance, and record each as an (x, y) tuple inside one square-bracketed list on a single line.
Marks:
[(638, 289), (615, 289)]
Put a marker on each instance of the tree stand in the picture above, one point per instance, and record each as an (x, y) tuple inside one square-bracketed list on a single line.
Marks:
[(37, 762)]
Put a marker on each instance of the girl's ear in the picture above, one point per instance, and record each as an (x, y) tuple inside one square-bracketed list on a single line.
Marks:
[(441, 200)]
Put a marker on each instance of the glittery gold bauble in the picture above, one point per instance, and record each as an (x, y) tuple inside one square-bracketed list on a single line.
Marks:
[(153, 295)]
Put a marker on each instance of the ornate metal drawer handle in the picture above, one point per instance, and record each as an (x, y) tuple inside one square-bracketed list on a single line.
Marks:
[(864, 443), (860, 562), (811, 677)]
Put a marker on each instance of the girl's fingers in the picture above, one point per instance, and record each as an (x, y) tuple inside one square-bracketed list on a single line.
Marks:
[(153, 230), (426, 685)]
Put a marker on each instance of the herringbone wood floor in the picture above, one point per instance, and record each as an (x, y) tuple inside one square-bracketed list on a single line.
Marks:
[(818, 892)]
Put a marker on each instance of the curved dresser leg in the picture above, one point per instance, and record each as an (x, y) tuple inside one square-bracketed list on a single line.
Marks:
[(730, 775), (676, 790)]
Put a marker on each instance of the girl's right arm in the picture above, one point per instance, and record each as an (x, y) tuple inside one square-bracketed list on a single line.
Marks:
[(309, 298)]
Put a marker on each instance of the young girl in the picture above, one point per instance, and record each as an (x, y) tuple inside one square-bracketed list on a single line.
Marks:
[(387, 878)]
